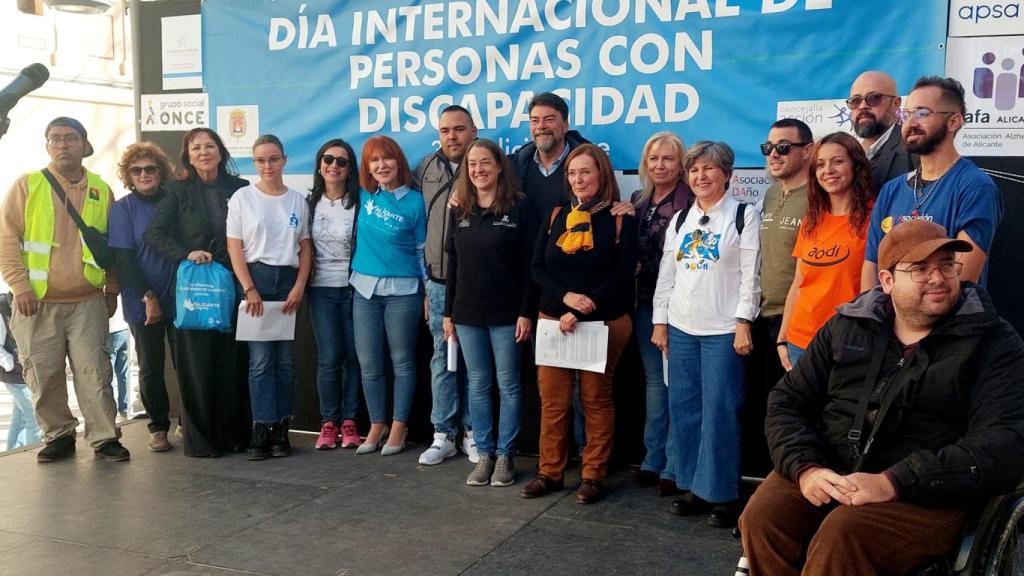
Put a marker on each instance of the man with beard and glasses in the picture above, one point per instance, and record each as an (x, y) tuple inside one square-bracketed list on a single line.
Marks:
[(904, 415), (946, 189), (435, 177), (874, 103)]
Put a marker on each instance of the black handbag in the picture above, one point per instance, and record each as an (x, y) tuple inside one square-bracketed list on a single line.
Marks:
[(93, 238)]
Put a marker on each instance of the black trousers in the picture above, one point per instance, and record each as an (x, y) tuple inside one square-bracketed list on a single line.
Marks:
[(149, 349), (212, 377), (764, 370)]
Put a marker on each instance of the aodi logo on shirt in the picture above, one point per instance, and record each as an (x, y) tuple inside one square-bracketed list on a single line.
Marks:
[(823, 257)]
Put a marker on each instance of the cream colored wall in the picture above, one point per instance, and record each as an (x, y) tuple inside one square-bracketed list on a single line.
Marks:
[(90, 79)]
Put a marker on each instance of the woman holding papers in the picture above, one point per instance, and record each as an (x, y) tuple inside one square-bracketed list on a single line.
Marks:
[(388, 272), (333, 208), (490, 298), (584, 262), (190, 224), (268, 241), (705, 299)]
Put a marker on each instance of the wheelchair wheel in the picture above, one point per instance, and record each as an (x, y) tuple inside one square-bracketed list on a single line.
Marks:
[(1007, 556)]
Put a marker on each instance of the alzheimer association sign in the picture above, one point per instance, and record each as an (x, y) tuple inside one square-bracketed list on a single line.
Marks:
[(706, 69)]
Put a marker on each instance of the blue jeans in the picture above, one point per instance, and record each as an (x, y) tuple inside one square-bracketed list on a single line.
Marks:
[(705, 394), (23, 430), (271, 368), (660, 444), (395, 321), (794, 353), (448, 389), (117, 347), (330, 313), (478, 343)]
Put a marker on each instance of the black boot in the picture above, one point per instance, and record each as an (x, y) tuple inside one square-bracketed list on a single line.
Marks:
[(259, 443), (280, 445)]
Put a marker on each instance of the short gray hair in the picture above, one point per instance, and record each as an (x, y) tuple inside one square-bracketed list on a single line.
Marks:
[(718, 153)]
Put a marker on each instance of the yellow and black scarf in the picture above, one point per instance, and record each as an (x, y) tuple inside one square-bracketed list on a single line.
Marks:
[(578, 233)]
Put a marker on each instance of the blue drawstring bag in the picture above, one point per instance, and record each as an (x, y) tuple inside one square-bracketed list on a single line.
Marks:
[(204, 298)]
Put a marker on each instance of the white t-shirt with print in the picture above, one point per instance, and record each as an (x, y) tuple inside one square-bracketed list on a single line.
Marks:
[(332, 237), (270, 227)]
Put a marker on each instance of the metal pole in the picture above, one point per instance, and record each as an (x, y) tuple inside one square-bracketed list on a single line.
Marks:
[(134, 8)]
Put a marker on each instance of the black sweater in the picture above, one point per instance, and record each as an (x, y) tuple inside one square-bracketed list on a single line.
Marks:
[(605, 274), (488, 277)]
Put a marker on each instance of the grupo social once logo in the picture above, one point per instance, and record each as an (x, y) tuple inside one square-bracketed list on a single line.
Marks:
[(1002, 81)]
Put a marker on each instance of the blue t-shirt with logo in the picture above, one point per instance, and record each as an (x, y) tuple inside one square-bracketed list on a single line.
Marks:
[(129, 218), (391, 230), (964, 198)]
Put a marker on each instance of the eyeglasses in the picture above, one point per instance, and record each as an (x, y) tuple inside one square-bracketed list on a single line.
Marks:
[(69, 139), (920, 114), (341, 161), (922, 274), (149, 169), (872, 98), (782, 148)]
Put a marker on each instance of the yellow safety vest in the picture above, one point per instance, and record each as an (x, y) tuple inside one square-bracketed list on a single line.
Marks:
[(37, 242)]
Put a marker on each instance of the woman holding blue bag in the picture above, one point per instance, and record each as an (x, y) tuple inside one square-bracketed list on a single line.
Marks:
[(268, 242), (191, 224), (388, 272)]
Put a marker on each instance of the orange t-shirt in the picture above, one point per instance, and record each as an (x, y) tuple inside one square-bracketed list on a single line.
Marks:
[(830, 263)]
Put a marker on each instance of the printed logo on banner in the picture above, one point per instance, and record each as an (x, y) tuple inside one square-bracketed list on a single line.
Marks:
[(239, 126), (174, 112), (992, 72), (985, 18)]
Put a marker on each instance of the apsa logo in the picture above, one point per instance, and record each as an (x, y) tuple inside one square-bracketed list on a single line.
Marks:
[(983, 11)]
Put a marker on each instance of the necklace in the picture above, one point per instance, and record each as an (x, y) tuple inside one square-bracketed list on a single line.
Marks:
[(921, 193)]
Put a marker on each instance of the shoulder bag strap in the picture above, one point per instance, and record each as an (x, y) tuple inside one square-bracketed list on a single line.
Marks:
[(63, 199)]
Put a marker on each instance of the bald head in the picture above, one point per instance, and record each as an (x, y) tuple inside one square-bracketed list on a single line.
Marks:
[(873, 103)]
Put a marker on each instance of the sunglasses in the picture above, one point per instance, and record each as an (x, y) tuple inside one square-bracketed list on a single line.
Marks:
[(782, 148), (872, 98), (341, 161), (149, 169)]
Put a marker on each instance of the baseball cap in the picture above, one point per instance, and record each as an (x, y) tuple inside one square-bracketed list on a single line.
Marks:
[(74, 125), (915, 240)]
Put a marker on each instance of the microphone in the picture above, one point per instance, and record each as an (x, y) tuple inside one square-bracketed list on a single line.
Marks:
[(30, 78)]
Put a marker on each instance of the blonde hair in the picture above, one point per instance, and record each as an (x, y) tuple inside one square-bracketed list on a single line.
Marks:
[(646, 184)]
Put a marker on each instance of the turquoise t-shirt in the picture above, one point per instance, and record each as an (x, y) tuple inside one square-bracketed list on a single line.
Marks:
[(392, 228)]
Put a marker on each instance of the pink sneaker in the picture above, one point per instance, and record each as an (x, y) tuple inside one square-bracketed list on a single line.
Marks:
[(328, 437), (349, 435)]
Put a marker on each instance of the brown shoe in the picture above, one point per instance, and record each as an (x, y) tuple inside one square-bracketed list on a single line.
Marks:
[(589, 492), (541, 486), (667, 488), (158, 441)]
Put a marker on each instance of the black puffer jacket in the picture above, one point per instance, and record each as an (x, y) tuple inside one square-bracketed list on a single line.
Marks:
[(953, 434)]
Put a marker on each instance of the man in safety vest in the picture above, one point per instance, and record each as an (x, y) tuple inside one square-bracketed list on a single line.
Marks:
[(62, 298)]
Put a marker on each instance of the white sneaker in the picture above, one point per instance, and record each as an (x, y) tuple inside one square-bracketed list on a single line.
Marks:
[(469, 447), (439, 450)]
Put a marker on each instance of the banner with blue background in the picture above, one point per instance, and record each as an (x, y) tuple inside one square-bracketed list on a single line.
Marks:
[(705, 69)]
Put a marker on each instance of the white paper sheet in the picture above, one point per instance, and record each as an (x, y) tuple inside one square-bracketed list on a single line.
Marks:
[(274, 325), (664, 367), (453, 354), (584, 349)]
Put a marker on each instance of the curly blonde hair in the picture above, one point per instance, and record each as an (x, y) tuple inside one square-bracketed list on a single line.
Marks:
[(139, 151)]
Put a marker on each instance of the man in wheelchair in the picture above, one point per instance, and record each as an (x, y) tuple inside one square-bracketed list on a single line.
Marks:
[(905, 414)]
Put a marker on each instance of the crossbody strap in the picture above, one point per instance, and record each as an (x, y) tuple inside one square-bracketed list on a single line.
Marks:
[(63, 200)]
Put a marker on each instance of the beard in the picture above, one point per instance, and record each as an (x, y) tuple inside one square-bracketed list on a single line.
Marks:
[(871, 128), (927, 144)]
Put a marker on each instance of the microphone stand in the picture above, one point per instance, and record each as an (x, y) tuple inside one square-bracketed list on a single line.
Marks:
[(5, 123)]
